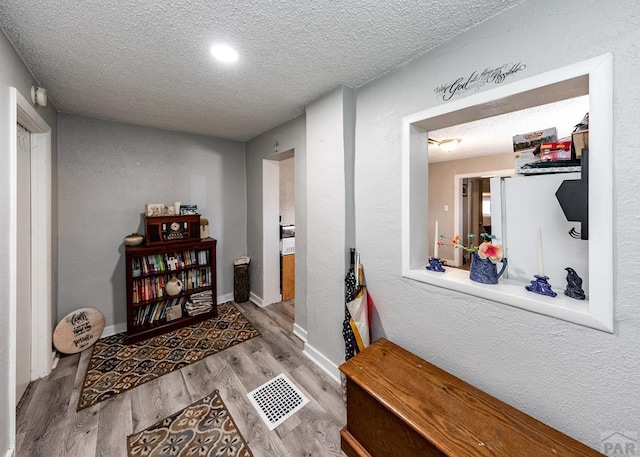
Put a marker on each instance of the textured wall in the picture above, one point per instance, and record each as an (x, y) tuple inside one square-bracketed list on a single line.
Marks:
[(581, 381), (288, 191), (349, 141), (13, 73), (107, 172), (328, 222), (291, 135)]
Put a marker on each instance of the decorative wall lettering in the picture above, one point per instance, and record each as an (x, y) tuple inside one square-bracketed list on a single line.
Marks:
[(477, 79)]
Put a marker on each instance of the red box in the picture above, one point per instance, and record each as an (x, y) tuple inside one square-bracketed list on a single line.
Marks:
[(554, 152)]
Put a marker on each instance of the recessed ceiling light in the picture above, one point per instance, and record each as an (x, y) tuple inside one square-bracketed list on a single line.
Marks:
[(224, 53)]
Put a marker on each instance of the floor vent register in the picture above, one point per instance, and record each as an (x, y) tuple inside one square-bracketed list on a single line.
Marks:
[(277, 400)]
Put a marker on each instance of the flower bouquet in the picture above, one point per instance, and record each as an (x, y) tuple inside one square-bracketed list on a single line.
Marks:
[(483, 257), (486, 249)]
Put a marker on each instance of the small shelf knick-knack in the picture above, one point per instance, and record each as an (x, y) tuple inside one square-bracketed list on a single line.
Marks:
[(574, 285), (435, 264), (541, 286), (173, 286)]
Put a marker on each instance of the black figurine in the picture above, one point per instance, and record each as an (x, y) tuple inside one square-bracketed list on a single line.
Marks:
[(574, 285)]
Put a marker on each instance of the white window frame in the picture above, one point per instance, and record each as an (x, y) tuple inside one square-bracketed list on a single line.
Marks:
[(595, 312)]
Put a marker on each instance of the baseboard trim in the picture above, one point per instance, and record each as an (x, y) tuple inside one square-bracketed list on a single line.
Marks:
[(300, 332), (322, 362), (255, 299), (225, 298), (55, 358), (114, 329)]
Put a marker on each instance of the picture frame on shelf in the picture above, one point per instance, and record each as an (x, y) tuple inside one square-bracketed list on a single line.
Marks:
[(186, 210), (154, 209)]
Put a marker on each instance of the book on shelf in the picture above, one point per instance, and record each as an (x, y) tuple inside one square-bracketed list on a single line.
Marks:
[(194, 310), (173, 312), (162, 310), (205, 296), (159, 263), (152, 288), (150, 310), (199, 303)]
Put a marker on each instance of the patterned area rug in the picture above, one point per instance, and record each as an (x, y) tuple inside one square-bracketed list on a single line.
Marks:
[(116, 367), (203, 429)]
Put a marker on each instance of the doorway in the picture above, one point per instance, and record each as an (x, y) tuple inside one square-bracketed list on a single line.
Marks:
[(23, 261), (287, 228), (477, 209), (30, 248), (476, 212), (278, 197)]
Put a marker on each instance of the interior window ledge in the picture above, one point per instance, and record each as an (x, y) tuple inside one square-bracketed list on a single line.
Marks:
[(513, 293), (594, 77)]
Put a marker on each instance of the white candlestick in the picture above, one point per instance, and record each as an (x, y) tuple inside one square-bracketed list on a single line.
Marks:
[(435, 242), (540, 257)]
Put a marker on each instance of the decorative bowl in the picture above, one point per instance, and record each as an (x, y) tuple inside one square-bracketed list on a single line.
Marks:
[(135, 239)]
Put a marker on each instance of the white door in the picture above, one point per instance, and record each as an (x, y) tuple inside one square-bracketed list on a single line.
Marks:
[(23, 312)]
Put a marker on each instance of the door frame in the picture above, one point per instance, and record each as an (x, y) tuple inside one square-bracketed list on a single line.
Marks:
[(42, 353), (270, 226), (270, 232), (457, 202)]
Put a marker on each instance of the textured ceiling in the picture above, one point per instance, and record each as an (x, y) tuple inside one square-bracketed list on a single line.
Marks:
[(494, 135), (147, 62)]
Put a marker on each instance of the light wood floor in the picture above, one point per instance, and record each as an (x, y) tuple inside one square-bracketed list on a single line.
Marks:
[(48, 424)]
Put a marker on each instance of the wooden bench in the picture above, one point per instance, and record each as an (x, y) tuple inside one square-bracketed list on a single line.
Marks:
[(400, 405)]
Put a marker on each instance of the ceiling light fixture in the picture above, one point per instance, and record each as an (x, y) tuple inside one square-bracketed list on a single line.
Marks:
[(447, 145), (224, 53)]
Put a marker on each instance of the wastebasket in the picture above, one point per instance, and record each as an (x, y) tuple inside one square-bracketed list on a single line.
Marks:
[(241, 279)]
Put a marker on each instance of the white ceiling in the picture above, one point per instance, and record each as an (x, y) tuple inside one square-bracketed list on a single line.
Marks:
[(494, 135), (147, 62)]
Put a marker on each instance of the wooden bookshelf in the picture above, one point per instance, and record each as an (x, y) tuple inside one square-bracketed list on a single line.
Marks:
[(149, 268)]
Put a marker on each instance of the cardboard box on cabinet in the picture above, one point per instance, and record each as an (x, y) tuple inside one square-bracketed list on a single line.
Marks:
[(580, 142)]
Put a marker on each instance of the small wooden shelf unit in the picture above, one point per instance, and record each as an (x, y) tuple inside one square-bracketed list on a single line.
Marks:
[(400, 405), (146, 298)]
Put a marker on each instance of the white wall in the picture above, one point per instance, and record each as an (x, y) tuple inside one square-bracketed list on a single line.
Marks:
[(13, 73), (582, 381), (287, 191), (107, 172), (349, 141), (290, 136), (328, 157)]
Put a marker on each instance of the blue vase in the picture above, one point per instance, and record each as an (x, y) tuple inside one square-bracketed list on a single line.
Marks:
[(484, 270)]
